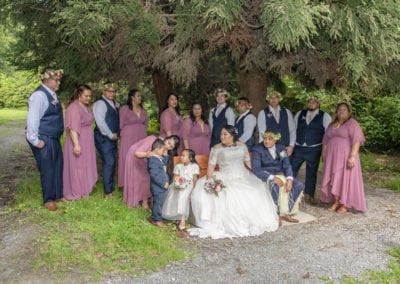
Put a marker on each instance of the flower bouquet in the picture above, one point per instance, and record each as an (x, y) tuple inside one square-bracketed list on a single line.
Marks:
[(214, 185), (181, 183), (283, 154)]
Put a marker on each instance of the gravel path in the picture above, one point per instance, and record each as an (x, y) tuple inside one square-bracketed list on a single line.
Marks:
[(327, 248)]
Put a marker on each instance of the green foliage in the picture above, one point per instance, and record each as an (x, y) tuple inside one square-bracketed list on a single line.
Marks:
[(7, 115), (291, 23), (380, 119), (97, 236), (219, 14), (16, 88)]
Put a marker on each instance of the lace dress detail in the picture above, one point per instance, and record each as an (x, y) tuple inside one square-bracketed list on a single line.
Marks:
[(244, 207)]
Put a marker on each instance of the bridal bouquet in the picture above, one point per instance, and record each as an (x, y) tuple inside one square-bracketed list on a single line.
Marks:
[(181, 183), (214, 185)]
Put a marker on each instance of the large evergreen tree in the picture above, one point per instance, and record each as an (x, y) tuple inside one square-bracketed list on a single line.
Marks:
[(326, 43)]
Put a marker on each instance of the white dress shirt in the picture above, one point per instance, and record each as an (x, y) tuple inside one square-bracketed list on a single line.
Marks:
[(99, 112), (229, 114), (249, 123), (262, 125), (37, 106)]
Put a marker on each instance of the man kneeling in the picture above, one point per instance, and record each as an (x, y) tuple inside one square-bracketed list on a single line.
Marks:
[(270, 163)]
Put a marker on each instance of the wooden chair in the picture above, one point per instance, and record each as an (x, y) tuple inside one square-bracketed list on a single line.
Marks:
[(202, 160)]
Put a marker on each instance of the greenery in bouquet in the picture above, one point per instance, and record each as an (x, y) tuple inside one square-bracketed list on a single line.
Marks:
[(181, 183), (214, 185)]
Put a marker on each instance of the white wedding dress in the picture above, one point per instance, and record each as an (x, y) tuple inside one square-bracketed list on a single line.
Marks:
[(243, 208)]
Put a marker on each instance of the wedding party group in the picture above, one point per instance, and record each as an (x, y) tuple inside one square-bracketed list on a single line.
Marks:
[(251, 184)]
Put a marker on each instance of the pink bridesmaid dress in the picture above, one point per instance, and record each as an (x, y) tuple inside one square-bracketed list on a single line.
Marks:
[(79, 172), (133, 128)]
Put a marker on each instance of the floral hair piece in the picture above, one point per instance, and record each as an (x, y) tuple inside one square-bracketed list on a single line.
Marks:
[(273, 93), (313, 98), (220, 90), (50, 74), (272, 135), (110, 86)]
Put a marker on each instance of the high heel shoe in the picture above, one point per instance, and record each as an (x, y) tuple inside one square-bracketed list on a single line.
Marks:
[(334, 207)]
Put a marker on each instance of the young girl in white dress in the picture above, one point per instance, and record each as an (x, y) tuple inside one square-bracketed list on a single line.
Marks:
[(176, 204)]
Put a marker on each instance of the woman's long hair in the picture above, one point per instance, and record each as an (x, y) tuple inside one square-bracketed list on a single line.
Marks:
[(335, 117), (78, 92), (177, 108), (131, 94), (203, 117)]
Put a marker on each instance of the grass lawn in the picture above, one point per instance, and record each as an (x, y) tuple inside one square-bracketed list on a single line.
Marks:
[(7, 114), (98, 235)]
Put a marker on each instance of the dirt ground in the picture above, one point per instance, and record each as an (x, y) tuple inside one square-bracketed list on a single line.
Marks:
[(325, 249)]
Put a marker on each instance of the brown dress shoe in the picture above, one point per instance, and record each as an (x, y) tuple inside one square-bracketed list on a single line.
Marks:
[(290, 219), (157, 223), (52, 206)]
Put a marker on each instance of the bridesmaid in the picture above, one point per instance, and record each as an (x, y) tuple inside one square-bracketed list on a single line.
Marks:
[(171, 120), (133, 123), (196, 133), (137, 179), (80, 170)]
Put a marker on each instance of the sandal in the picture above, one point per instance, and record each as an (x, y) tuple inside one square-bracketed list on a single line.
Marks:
[(334, 207), (342, 210)]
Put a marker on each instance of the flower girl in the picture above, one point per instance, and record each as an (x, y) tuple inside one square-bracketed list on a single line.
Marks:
[(176, 204)]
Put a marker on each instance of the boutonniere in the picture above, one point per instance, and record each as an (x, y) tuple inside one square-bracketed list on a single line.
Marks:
[(303, 117), (269, 115), (283, 154)]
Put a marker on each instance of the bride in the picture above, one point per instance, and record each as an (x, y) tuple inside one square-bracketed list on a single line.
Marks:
[(242, 206)]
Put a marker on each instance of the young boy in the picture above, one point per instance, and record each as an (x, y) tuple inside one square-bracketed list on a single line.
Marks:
[(158, 181)]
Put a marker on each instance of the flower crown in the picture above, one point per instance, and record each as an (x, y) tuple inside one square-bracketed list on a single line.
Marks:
[(49, 74), (273, 93), (272, 135)]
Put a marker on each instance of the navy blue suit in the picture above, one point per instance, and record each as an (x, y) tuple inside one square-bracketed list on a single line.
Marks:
[(158, 178), (264, 166), (107, 148), (49, 159)]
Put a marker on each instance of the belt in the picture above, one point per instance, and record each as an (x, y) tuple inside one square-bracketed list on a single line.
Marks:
[(309, 146)]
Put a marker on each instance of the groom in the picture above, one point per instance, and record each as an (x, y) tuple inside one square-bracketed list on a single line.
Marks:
[(270, 163)]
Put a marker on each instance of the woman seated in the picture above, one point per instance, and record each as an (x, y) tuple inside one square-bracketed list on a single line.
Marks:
[(231, 202)]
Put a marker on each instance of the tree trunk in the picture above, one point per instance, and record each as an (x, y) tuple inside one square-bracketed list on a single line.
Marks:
[(253, 85), (162, 88)]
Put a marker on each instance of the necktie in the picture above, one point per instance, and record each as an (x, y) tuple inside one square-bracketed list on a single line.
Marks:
[(309, 117)]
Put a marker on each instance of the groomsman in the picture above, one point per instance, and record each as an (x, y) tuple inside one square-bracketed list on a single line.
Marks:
[(245, 122), (44, 127), (278, 119), (106, 134), (311, 124), (220, 115)]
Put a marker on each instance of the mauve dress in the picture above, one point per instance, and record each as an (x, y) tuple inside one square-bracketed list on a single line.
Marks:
[(168, 121), (337, 178), (137, 179), (199, 140), (133, 128), (79, 173)]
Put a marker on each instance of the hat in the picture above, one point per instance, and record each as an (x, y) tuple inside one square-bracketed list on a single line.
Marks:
[(50, 73), (270, 134), (273, 94)]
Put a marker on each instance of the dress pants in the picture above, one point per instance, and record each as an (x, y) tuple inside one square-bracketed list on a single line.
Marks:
[(158, 201), (49, 161), (108, 150), (311, 155)]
